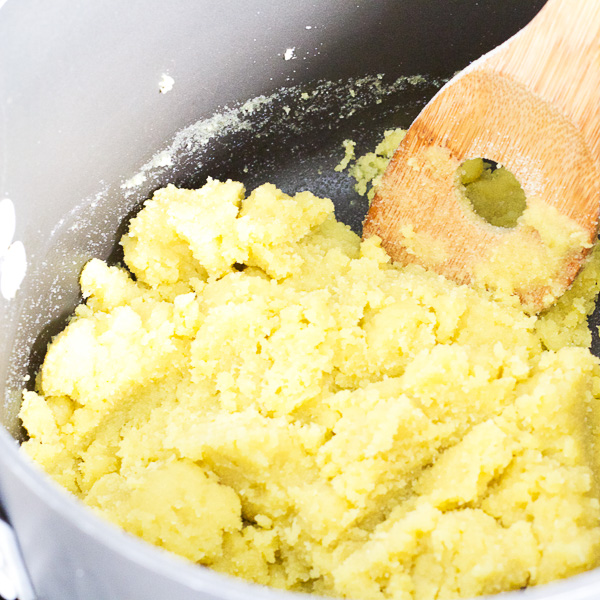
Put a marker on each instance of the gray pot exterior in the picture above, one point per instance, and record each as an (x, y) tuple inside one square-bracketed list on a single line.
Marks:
[(81, 112)]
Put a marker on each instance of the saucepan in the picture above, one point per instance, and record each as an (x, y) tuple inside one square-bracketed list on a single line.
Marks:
[(101, 103)]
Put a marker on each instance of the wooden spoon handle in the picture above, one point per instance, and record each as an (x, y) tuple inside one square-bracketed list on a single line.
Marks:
[(532, 105), (557, 57)]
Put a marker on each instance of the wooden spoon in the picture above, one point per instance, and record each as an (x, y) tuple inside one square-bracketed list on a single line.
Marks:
[(532, 105)]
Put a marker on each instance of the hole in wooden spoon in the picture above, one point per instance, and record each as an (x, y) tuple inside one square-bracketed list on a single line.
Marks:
[(492, 191)]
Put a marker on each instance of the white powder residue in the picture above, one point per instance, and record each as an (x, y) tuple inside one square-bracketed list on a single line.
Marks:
[(159, 161), (230, 120), (165, 85), (134, 181), (289, 54), (356, 93), (162, 159), (198, 135)]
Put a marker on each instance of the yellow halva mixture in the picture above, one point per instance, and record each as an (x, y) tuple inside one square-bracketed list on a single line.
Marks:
[(271, 397)]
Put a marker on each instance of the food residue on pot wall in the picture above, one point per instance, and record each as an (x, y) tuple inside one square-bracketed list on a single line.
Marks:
[(166, 83)]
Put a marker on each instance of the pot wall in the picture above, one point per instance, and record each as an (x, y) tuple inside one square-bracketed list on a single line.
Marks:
[(81, 113)]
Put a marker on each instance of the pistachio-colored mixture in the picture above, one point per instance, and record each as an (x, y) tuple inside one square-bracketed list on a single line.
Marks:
[(271, 397)]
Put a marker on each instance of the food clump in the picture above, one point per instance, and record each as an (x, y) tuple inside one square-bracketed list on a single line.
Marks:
[(258, 390)]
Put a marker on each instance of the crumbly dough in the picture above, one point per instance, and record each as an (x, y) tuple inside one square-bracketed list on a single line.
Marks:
[(538, 245), (368, 169), (271, 397)]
